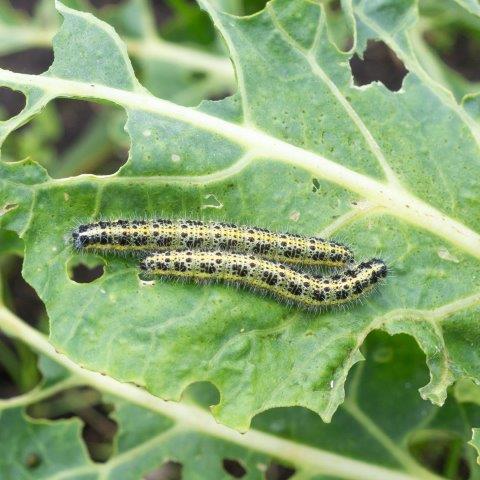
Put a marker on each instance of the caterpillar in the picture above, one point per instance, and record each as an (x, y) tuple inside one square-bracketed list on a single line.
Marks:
[(163, 234), (302, 289)]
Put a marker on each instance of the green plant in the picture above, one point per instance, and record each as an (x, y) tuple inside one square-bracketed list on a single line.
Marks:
[(299, 146)]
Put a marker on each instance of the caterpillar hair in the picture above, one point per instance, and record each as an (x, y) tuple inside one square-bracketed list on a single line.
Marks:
[(164, 234), (282, 282)]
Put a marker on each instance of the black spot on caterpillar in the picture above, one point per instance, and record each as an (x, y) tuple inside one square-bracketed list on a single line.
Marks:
[(164, 234), (284, 283)]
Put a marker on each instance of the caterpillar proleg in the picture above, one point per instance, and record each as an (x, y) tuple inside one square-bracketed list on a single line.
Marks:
[(164, 234), (302, 289)]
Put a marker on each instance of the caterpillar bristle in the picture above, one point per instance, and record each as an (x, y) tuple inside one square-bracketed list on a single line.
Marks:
[(162, 234), (291, 286)]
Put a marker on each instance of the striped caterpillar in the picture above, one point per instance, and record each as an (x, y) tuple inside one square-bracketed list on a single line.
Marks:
[(302, 289), (163, 234)]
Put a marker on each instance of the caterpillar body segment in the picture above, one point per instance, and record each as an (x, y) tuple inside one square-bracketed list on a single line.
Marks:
[(164, 234), (284, 283)]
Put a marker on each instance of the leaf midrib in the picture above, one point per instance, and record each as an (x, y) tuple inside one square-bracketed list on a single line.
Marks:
[(396, 200)]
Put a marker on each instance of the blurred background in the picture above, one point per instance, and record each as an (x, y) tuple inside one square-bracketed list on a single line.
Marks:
[(178, 56)]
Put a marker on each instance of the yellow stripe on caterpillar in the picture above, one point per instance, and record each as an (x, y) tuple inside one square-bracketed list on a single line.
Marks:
[(164, 234), (283, 282)]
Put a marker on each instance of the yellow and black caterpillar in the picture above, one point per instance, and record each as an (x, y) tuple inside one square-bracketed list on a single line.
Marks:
[(164, 234), (302, 289), (242, 255)]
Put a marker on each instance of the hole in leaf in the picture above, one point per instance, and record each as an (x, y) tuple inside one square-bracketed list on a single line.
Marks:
[(104, 3), (457, 48), (183, 22), (9, 369), (198, 76), (339, 28), (163, 14), (93, 139), (442, 453), (10, 242), (168, 471), (11, 102), (234, 468), (253, 6), (334, 6), (379, 63), (7, 208), (18, 364), (32, 61), (220, 95), (83, 271), (276, 471), (27, 6), (86, 403), (71, 137), (383, 354), (75, 117), (32, 461), (21, 298), (204, 394)]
